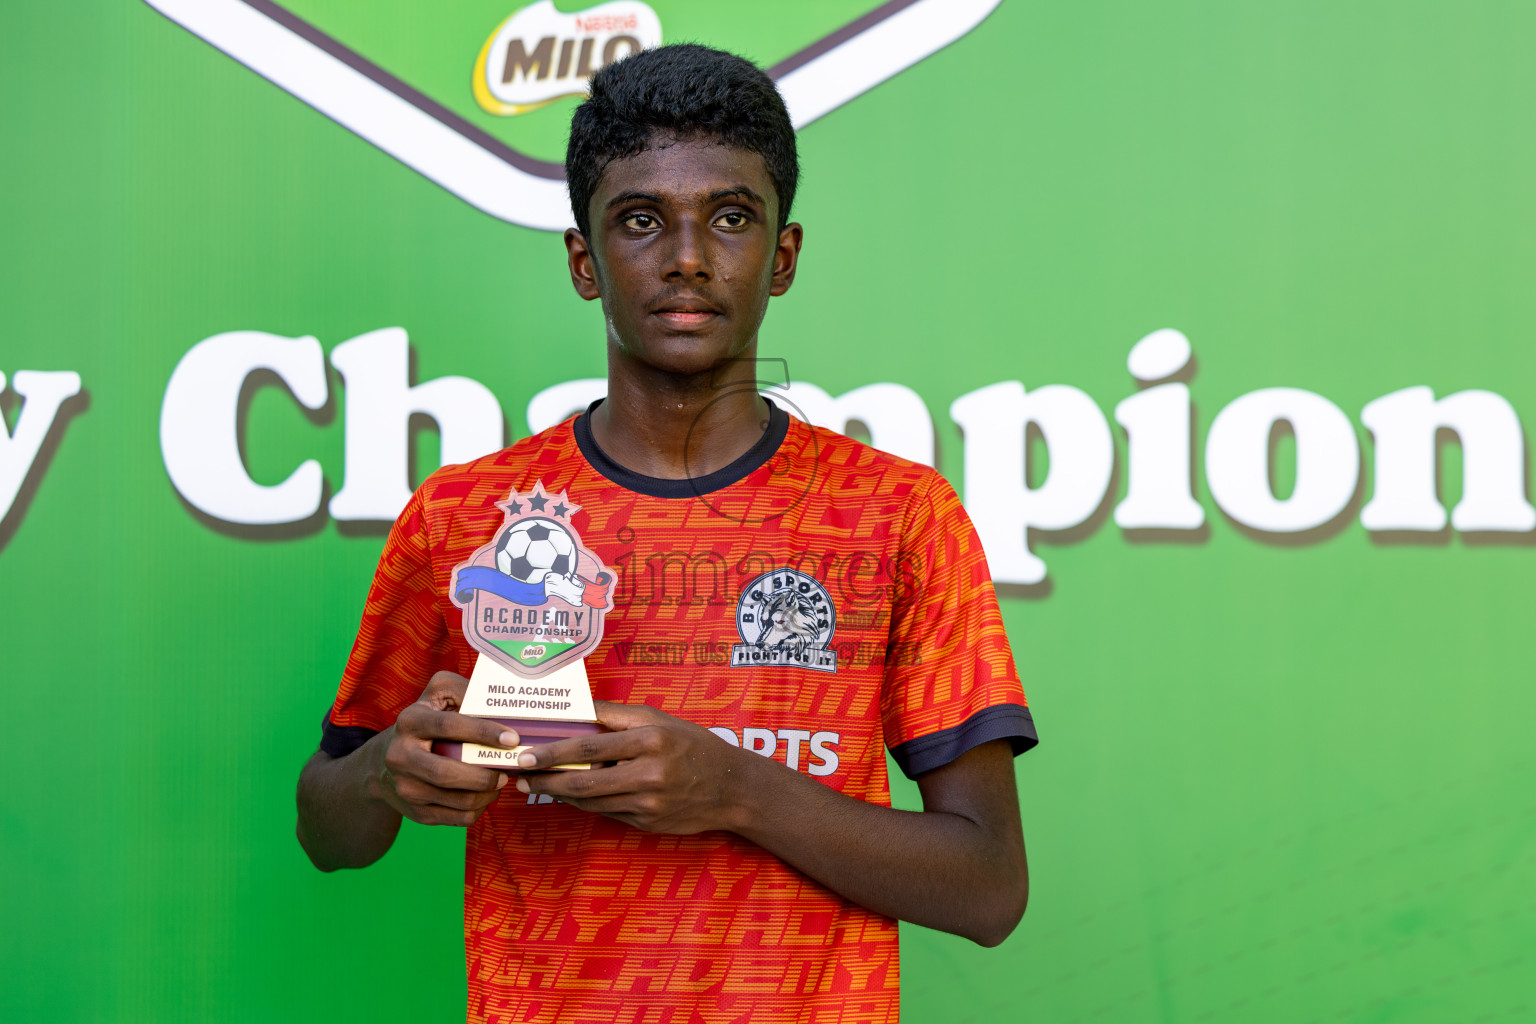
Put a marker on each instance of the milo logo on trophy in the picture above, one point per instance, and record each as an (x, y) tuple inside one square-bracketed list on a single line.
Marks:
[(534, 598)]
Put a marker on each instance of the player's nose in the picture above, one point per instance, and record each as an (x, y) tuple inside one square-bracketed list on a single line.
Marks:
[(689, 256)]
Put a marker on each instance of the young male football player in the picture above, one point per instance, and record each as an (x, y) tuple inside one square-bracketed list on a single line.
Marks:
[(790, 603)]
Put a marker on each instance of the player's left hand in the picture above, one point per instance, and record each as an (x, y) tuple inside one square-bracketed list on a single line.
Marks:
[(670, 775)]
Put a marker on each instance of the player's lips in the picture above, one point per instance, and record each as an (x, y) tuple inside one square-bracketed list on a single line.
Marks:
[(686, 313)]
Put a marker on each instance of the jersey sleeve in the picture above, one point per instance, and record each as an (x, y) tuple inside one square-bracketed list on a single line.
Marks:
[(402, 641), (950, 682)]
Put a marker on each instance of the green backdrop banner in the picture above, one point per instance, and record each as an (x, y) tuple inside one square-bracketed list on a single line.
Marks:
[(1218, 316)]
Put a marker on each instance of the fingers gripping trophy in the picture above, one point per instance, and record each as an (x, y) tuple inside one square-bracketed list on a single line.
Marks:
[(533, 600)]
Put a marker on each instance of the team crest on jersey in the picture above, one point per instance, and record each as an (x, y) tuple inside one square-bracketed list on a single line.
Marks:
[(785, 619), (534, 598)]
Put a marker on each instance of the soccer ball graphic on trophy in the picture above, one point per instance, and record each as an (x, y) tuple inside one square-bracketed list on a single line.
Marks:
[(539, 551), (529, 550)]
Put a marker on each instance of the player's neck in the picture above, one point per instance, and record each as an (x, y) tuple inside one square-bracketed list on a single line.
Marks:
[(679, 427)]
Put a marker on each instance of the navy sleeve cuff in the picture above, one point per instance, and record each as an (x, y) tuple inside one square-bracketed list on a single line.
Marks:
[(1011, 722), (341, 740)]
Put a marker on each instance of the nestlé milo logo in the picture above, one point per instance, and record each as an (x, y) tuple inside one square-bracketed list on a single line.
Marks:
[(540, 54)]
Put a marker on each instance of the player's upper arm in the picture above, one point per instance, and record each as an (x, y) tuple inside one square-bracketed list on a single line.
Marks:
[(979, 786)]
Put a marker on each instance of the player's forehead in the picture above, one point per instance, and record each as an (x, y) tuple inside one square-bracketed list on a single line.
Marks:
[(685, 171)]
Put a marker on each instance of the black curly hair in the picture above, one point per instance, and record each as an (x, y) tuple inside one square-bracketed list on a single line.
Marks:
[(687, 90)]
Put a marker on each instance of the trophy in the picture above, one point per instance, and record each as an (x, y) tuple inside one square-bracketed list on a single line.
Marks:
[(533, 600)]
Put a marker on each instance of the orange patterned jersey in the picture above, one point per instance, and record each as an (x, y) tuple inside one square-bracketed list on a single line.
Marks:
[(817, 602)]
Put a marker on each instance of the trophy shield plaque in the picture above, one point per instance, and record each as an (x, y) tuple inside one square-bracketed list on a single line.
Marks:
[(533, 601)]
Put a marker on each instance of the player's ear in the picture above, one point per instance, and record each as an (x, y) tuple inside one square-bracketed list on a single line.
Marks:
[(785, 259), (583, 265)]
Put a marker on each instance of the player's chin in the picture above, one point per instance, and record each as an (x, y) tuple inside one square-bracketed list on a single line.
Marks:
[(689, 353)]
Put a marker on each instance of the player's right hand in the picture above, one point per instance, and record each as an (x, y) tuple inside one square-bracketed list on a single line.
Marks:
[(426, 787)]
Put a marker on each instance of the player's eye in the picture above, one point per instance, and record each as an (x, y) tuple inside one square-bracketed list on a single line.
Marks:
[(732, 219), (640, 221)]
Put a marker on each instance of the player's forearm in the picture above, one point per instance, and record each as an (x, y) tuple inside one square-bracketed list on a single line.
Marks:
[(939, 869), (343, 822)]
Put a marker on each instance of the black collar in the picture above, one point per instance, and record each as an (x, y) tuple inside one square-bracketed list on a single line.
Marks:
[(688, 487)]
